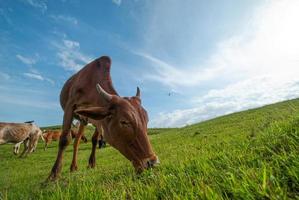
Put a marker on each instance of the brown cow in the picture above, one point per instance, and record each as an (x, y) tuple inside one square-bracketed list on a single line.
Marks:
[(89, 96), (54, 135)]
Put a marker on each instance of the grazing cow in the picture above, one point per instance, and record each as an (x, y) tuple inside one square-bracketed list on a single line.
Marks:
[(54, 135), (89, 96), (50, 135), (18, 133)]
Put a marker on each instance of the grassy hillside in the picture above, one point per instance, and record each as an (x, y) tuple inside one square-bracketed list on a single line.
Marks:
[(247, 155)]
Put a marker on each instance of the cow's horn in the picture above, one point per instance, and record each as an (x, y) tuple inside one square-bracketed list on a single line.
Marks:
[(138, 92), (103, 93)]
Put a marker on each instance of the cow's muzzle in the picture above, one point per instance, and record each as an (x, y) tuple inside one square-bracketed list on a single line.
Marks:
[(146, 163), (153, 161)]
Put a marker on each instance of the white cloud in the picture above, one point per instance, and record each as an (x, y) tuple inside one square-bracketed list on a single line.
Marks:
[(39, 4), (117, 2), (243, 95), (34, 73), (34, 76), (262, 61), (50, 81), (267, 51), (4, 76), (70, 56), (175, 76), (269, 44), (26, 60), (64, 18)]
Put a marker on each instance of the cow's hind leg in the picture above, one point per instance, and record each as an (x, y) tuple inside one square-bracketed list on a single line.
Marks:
[(17, 148), (64, 140), (74, 165), (32, 144), (26, 147), (102, 142), (92, 158)]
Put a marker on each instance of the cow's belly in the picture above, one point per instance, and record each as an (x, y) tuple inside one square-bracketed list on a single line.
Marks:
[(10, 138)]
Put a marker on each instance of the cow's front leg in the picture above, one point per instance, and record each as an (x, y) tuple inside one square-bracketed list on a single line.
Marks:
[(64, 140)]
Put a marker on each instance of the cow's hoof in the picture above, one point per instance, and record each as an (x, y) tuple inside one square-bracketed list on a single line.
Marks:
[(91, 165), (52, 177), (73, 168), (92, 162)]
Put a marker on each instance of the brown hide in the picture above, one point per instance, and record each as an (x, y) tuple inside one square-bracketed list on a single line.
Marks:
[(54, 135), (123, 120), (50, 135), (80, 89), (125, 128)]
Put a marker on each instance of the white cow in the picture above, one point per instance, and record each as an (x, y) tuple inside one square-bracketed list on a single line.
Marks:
[(19, 133)]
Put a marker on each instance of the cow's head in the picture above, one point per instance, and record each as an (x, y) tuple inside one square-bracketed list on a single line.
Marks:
[(124, 121)]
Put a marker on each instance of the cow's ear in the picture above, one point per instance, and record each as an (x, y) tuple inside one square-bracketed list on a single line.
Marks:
[(96, 113)]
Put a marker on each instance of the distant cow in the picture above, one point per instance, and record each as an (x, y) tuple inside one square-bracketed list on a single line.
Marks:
[(18, 133), (54, 135)]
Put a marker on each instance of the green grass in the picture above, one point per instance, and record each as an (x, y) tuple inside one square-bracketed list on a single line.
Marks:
[(247, 155)]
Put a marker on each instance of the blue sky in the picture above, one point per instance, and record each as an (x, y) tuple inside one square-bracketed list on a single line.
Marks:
[(212, 57)]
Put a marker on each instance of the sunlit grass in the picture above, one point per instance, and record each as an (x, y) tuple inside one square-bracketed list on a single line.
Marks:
[(247, 155)]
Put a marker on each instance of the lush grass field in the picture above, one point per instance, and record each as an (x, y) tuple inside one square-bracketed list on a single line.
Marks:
[(247, 155)]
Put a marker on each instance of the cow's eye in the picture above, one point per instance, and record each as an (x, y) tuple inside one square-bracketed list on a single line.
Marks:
[(125, 123), (109, 117)]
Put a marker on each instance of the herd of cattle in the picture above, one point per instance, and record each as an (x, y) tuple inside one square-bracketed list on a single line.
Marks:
[(28, 134), (89, 97)]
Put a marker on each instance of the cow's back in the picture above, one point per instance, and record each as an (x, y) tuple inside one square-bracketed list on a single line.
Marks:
[(14, 132), (51, 135)]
